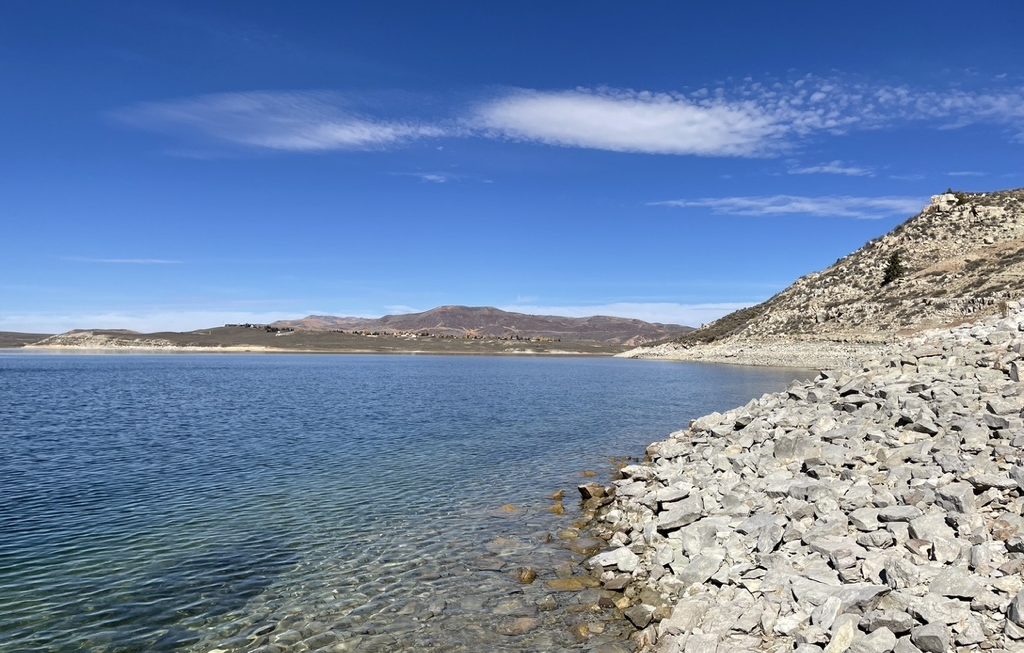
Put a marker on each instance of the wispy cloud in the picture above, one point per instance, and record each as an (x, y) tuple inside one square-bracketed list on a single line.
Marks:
[(434, 177), (666, 312), (831, 206), (430, 177), (744, 118), (910, 176), (122, 261), (628, 121), (967, 173), (833, 168), (287, 121)]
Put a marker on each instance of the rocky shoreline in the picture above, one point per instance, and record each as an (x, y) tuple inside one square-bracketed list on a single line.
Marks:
[(876, 508), (816, 354)]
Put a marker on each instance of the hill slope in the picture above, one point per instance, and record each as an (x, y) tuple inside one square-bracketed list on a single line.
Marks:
[(963, 256), (263, 339), (488, 322), (11, 339)]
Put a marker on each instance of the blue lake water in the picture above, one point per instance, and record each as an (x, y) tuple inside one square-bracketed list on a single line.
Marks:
[(329, 503)]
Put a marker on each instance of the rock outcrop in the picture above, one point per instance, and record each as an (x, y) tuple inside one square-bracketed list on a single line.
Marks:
[(876, 508), (962, 259)]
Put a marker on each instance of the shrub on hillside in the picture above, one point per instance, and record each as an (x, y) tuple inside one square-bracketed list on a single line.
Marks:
[(893, 270)]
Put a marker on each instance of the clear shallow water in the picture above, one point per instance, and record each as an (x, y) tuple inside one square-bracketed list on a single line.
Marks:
[(187, 503)]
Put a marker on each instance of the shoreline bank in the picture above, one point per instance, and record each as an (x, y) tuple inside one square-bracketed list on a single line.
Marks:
[(240, 349), (878, 507), (764, 353)]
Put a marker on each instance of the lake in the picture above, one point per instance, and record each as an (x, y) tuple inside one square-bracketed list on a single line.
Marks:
[(330, 503)]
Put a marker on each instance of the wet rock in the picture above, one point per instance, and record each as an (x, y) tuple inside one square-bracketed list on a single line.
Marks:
[(286, 637), (518, 626), (572, 584), (640, 615), (526, 575), (580, 632), (490, 564), (547, 604)]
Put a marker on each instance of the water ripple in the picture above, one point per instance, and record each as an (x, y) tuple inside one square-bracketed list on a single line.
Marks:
[(186, 503)]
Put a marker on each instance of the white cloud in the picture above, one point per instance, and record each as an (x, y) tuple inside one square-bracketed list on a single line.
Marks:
[(434, 177), (911, 176), (287, 121), (430, 177), (835, 206), (144, 321), (744, 118), (967, 173), (627, 121), (748, 118), (666, 312), (833, 168), (122, 261)]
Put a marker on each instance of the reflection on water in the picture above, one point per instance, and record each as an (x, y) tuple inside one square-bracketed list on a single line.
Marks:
[(332, 503)]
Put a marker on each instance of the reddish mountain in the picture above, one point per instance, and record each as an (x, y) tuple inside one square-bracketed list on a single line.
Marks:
[(491, 322)]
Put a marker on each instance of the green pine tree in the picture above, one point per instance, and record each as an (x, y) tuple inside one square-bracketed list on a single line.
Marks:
[(894, 269)]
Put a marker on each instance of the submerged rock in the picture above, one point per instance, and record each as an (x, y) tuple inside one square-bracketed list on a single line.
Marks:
[(526, 575)]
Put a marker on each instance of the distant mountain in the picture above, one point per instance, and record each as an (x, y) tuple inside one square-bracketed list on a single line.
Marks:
[(489, 322)]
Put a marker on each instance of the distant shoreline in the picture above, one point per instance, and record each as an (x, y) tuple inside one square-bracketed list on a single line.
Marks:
[(122, 350)]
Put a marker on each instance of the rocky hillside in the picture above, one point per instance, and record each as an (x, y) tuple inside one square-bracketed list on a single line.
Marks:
[(877, 508), (488, 322), (962, 258)]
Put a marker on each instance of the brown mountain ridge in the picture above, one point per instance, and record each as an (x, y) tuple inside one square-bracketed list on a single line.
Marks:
[(490, 322)]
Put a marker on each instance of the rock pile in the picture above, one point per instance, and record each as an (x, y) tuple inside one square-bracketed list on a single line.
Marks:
[(873, 509)]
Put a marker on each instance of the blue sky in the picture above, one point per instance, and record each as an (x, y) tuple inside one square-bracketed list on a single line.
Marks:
[(180, 165)]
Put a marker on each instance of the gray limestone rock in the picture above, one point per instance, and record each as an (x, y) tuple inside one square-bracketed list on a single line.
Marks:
[(899, 513), (931, 638), (881, 640), (1015, 611), (700, 568), (621, 558)]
